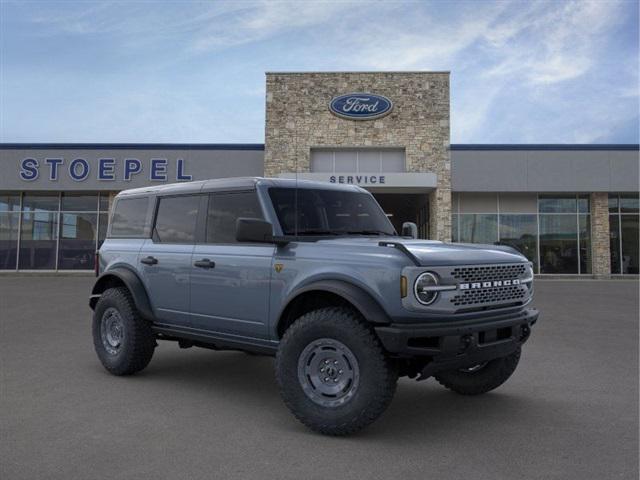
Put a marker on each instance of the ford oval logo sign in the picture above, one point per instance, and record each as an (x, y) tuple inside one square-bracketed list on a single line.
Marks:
[(360, 106)]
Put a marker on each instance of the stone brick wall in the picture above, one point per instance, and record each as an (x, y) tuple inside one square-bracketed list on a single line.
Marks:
[(600, 248), (298, 119)]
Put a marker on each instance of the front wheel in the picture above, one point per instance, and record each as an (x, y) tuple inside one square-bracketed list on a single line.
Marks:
[(332, 372), (480, 378)]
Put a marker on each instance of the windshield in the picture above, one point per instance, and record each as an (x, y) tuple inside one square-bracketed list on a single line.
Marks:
[(328, 212)]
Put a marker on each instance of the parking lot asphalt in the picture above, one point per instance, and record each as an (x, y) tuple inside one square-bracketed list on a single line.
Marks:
[(569, 412)]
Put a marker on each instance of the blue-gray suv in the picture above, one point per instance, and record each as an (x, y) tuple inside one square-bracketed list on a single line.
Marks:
[(316, 275)]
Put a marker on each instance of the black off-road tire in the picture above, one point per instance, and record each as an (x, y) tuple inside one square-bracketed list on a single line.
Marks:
[(377, 377), (483, 380), (137, 340)]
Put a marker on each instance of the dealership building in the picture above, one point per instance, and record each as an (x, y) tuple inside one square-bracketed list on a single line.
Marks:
[(571, 209)]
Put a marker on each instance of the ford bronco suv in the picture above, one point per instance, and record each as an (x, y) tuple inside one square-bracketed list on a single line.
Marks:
[(315, 274)]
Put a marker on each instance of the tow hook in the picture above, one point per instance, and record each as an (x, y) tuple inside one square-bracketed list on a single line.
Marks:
[(465, 342), (525, 332)]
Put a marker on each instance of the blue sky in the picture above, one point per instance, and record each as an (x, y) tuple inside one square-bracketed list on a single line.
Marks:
[(177, 71)]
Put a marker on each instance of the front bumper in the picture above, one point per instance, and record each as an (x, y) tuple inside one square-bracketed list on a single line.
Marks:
[(451, 345)]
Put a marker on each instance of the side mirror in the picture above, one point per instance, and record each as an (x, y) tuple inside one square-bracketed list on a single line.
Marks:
[(253, 230), (409, 229)]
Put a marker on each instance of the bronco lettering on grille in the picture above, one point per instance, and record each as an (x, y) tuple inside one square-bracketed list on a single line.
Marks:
[(494, 283)]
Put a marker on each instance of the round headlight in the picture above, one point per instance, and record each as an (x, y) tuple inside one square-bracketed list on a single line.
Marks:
[(422, 290)]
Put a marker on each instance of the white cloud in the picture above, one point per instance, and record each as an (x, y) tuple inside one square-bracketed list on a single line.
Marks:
[(552, 42), (510, 61), (419, 39)]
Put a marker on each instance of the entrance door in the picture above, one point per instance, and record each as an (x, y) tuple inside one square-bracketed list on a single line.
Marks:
[(402, 207), (230, 280)]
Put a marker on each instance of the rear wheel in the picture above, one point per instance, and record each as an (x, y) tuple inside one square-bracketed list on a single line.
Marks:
[(481, 378), (332, 372), (122, 339)]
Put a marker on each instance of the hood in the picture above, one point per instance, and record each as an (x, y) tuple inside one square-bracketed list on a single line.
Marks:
[(435, 253)]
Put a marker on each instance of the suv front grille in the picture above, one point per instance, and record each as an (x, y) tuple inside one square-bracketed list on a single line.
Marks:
[(476, 294), (514, 293), (487, 273)]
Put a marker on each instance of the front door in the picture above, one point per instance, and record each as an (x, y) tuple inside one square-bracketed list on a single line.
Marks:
[(165, 259), (230, 281)]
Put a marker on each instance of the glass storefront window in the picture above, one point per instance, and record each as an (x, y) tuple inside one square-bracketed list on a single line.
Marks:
[(565, 233), (103, 223), (583, 204), (521, 232), (48, 202), (78, 230), (454, 228), (79, 202), (77, 244), (9, 222), (623, 233), (557, 204), (9, 202), (629, 204), (104, 202), (584, 236), (614, 242), (629, 243), (51, 230), (558, 244), (38, 240), (478, 228)]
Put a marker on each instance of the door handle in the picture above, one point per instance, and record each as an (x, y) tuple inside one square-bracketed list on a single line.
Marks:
[(149, 260), (204, 263)]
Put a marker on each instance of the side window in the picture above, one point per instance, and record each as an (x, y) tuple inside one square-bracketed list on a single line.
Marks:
[(176, 219), (225, 209), (129, 218)]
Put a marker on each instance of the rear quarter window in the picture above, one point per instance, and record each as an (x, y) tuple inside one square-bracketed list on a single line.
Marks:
[(130, 219)]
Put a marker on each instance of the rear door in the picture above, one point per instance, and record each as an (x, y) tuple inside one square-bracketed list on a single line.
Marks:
[(230, 281), (165, 258)]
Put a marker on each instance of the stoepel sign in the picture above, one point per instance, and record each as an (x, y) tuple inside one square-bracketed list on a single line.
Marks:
[(106, 169), (360, 106)]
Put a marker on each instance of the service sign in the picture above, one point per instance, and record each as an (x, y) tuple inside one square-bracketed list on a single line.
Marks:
[(408, 182), (360, 106)]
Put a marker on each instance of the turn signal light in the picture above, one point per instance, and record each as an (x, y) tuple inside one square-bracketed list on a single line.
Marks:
[(403, 286)]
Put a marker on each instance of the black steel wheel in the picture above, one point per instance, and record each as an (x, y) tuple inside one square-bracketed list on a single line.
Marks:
[(328, 372), (111, 330)]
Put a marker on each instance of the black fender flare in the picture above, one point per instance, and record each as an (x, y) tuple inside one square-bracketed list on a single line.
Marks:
[(133, 283), (369, 307)]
